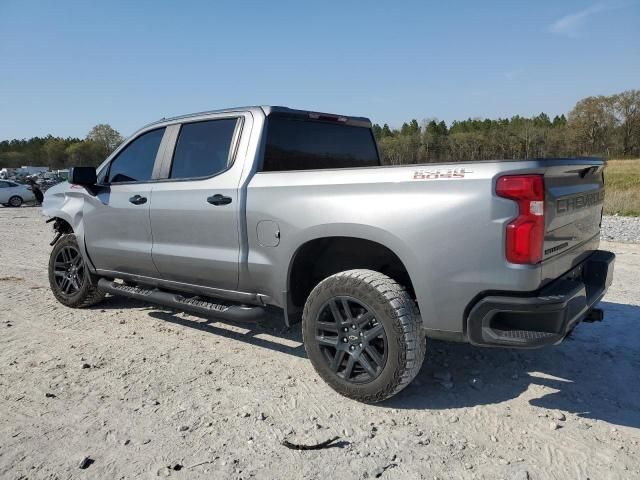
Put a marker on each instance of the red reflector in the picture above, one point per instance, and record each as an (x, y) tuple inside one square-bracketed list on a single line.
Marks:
[(525, 234)]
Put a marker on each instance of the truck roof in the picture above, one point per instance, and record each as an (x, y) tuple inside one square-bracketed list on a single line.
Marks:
[(269, 110)]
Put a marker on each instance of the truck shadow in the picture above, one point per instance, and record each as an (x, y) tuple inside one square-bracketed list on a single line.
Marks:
[(594, 374), (269, 332)]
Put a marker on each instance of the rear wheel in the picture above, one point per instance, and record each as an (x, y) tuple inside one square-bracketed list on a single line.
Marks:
[(69, 277), (15, 201), (363, 335)]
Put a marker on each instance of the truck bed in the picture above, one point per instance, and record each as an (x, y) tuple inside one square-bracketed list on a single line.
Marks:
[(444, 221)]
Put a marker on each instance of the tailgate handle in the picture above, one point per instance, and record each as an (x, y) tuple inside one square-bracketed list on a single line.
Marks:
[(587, 171)]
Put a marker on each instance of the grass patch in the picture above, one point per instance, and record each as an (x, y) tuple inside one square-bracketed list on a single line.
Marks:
[(622, 182)]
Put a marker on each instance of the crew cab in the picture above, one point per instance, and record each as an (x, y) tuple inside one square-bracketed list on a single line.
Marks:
[(228, 213)]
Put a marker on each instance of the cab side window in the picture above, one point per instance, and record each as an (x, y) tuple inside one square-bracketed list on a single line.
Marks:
[(135, 162), (202, 149)]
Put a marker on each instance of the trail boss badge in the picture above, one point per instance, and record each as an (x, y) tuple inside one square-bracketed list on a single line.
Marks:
[(435, 174)]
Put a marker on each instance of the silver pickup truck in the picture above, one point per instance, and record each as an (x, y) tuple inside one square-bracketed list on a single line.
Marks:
[(230, 213)]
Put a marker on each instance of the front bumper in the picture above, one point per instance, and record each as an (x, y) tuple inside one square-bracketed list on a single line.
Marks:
[(545, 317)]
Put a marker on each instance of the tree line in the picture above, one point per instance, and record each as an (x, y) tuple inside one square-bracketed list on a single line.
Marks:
[(607, 126), (59, 153)]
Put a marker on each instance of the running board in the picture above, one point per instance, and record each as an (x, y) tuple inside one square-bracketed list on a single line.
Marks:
[(233, 312)]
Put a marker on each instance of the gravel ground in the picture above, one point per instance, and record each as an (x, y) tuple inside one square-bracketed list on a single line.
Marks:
[(147, 392), (620, 229)]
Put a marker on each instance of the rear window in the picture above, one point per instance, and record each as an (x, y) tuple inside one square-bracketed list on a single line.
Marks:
[(297, 144)]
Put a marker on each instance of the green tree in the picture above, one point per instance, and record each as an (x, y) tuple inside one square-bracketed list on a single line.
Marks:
[(626, 109), (55, 152), (105, 136), (411, 128), (591, 123), (86, 153), (558, 121), (435, 141)]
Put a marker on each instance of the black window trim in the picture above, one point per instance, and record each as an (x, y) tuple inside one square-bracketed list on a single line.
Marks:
[(231, 159), (124, 147)]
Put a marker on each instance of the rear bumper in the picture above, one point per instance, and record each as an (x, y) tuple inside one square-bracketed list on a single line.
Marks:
[(545, 317)]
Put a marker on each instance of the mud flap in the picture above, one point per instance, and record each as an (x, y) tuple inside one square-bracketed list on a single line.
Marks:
[(292, 314)]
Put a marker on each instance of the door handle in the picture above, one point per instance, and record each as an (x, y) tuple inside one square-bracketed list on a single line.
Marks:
[(219, 199), (138, 200)]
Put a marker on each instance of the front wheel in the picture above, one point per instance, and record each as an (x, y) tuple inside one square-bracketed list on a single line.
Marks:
[(69, 277), (363, 335)]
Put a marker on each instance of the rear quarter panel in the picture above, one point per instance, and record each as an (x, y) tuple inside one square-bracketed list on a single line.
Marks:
[(443, 221)]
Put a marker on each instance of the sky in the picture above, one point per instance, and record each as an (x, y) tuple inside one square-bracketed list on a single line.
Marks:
[(66, 66)]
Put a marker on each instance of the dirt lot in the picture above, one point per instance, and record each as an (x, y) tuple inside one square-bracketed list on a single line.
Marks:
[(147, 392)]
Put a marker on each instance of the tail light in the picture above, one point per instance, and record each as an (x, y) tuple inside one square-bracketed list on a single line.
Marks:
[(327, 118), (525, 234)]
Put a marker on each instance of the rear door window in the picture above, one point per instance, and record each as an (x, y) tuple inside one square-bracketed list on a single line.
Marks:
[(301, 144), (202, 149), (135, 162)]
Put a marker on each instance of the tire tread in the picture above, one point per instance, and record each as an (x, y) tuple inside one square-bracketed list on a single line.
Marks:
[(408, 324), (91, 295)]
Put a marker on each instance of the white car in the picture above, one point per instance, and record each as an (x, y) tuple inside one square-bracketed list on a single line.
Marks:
[(14, 194)]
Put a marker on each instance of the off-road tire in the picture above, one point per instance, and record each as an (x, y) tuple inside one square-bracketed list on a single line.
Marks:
[(88, 294), (15, 201), (394, 308)]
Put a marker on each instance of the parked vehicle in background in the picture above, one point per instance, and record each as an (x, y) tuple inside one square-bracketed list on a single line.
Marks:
[(56, 176), (44, 181), (30, 170), (228, 213), (14, 194), (63, 174)]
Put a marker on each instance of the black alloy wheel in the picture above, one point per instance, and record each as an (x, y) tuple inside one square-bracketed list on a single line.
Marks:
[(363, 334), (353, 342), (70, 280), (69, 270)]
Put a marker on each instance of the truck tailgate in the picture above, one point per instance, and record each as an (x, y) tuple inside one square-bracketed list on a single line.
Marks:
[(573, 213)]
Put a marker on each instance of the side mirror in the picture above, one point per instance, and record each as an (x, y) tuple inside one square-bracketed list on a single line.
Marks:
[(85, 176)]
